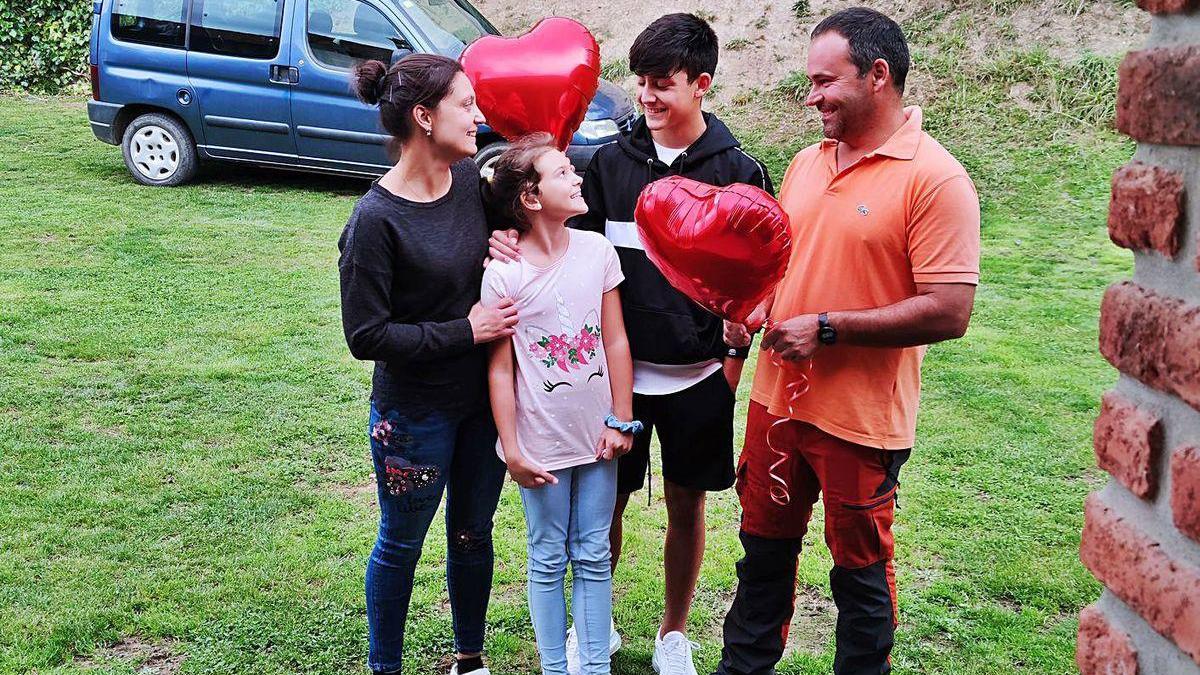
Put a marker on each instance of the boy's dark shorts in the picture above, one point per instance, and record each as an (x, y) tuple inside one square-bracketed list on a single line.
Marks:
[(695, 432)]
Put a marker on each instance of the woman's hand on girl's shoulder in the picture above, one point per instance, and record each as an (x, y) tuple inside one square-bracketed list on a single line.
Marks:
[(613, 444), (493, 323), (528, 474), (503, 246)]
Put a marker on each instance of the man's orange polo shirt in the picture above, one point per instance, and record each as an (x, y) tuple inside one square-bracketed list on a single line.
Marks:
[(904, 214)]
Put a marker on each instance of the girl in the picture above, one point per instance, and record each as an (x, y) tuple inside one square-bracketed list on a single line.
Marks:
[(411, 262), (562, 395)]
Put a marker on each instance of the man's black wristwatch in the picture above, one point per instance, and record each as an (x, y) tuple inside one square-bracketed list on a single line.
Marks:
[(826, 334)]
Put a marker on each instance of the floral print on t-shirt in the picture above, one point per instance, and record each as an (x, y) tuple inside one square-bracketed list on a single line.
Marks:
[(567, 353)]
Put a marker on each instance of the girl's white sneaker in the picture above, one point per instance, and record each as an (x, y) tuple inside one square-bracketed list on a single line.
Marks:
[(573, 664)]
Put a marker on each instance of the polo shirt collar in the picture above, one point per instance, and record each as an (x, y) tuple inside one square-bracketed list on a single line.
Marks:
[(903, 143)]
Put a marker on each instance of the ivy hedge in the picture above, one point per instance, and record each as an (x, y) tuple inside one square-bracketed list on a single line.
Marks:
[(43, 44)]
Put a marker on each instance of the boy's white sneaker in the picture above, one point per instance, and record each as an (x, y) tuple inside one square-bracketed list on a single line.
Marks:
[(673, 654), (573, 665), (480, 671)]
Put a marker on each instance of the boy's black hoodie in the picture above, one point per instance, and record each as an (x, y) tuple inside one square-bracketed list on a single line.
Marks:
[(663, 325)]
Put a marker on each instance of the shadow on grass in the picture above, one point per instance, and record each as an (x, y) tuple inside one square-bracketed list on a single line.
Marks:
[(230, 174), (215, 174)]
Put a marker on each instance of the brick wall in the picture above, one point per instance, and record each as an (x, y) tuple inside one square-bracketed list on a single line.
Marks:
[(1141, 534)]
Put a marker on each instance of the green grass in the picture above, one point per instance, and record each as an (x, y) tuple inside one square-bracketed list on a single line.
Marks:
[(182, 450), (616, 70)]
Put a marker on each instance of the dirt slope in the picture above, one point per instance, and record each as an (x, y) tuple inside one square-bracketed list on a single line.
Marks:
[(764, 41)]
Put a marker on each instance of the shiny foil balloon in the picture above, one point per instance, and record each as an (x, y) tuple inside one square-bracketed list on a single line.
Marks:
[(543, 80), (724, 247)]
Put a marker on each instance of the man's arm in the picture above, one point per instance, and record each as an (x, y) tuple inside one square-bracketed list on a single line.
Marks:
[(937, 312), (943, 248)]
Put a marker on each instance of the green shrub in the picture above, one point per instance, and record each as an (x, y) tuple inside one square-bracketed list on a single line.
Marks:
[(43, 44)]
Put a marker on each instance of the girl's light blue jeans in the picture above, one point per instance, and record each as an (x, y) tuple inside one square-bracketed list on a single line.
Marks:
[(569, 521)]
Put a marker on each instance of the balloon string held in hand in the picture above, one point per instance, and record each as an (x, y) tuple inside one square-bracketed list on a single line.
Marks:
[(779, 490)]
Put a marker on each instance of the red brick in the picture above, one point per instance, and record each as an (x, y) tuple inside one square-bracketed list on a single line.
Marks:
[(1185, 490), (1127, 441), (1164, 591), (1158, 100), (1146, 209), (1168, 6), (1153, 339), (1101, 648)]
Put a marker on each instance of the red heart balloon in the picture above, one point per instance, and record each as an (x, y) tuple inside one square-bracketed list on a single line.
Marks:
[(543, 80), (724, 247)]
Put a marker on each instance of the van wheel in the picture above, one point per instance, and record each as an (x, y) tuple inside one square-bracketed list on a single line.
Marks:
[(486, 158), (159, 150)]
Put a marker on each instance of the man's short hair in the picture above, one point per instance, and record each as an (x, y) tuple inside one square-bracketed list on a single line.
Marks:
[(872, 35), (672, 43)]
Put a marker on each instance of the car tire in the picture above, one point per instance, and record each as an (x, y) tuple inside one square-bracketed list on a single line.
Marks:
[(487, 157), (159, 150)]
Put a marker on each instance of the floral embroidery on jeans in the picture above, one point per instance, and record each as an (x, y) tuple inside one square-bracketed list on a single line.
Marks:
[(402, 476), (386, 432)]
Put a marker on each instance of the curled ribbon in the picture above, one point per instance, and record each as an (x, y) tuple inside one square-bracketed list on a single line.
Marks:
[(780, 491)]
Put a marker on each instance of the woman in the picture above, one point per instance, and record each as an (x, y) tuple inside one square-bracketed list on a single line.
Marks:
[(411, 267)]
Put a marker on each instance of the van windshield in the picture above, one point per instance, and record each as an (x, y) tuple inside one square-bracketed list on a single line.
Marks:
[(450, 24)]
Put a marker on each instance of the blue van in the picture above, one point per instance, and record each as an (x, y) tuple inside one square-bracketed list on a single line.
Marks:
[(177, 82)]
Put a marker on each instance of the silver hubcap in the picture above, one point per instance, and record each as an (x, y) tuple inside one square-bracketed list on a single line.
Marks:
[(154, 152)]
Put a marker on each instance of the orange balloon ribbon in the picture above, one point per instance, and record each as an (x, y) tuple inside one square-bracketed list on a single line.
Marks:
[(780, 491)]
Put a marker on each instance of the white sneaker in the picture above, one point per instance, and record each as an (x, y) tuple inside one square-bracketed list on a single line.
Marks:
[(481, 671), (573, 665), (673, 654)]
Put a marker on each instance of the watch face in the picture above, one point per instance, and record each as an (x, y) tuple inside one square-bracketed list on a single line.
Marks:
[(827, 335)]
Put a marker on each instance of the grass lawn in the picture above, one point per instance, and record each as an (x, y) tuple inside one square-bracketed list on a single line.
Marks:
[(184, 470)]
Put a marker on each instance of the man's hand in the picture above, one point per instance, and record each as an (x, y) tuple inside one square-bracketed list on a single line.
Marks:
[(528, 474), (794, 339), (613, 444), (503, 246)]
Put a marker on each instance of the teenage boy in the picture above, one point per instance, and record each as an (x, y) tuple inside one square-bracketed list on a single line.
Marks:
[(684, 373)]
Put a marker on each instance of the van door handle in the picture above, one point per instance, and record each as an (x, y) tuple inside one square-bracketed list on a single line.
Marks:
[(281, 74)]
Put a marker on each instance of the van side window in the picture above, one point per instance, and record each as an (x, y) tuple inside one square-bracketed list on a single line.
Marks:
[(151, 22), (341, 33), (245, 28)]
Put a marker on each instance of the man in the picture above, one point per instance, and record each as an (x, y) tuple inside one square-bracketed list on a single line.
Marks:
[(684, 373), (885, 260)]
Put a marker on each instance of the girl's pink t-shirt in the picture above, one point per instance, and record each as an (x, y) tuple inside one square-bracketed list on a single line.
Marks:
[(561, 373)]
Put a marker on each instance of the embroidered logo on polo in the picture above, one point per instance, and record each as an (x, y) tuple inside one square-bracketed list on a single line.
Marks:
[(863, 210)]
